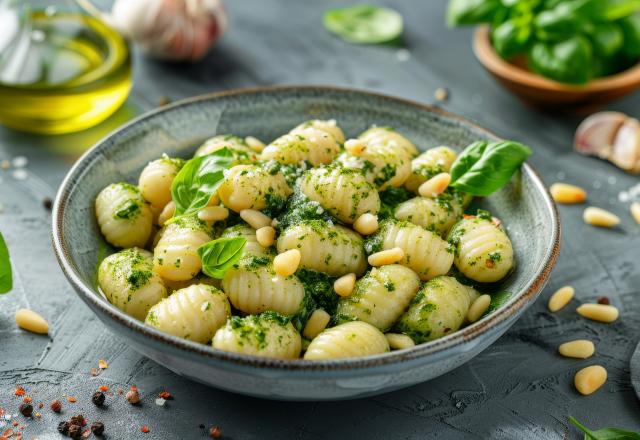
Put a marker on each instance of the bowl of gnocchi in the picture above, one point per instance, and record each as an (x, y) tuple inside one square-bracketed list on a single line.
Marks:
[(306, 243)]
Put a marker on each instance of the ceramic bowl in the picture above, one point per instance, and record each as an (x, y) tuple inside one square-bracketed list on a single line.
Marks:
[(546, 93), (524, 205)]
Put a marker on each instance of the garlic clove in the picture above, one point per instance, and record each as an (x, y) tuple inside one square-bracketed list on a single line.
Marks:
[(595, 135), (625, 152)]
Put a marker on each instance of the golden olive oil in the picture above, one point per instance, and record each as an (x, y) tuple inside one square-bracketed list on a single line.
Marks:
[(66, 72)]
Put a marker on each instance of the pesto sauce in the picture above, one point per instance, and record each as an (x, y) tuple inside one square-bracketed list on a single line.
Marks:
[(301, 209), (390, 198)]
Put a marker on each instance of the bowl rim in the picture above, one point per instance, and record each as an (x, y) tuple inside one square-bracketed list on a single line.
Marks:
[(208, 353), (489, 58)]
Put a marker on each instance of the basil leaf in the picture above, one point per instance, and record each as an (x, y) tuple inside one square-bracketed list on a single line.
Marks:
[(198, 180), (481, 176), (220, 255), (568, 61), (617, 9), (364, 24), (511, 37), (467, 158), (607, 39), (471, 11), (128, 210), (605, 433), (631, 30), (6, 278)]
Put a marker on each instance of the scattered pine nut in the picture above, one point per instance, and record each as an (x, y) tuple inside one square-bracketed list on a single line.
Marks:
[(579, 349), (256, 219), (435, 186), (31, 321), (266, 236), (561, 298), (255, 144), (166, 213), (213, 213), (478, 308), (598, 312), (600, 217), (635, 211), (567, 194), (390, 256), (345, 284), (399, 341), (354, 146), (316, 324), (287, 263), (590, 379), (366, 224)]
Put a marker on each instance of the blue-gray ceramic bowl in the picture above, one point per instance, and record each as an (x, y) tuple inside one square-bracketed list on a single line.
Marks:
[(524, 205)]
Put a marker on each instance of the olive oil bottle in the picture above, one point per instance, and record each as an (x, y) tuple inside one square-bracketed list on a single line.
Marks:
[(60, 70)]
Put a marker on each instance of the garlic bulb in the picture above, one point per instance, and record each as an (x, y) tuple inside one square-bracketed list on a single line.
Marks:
[(171, 29)]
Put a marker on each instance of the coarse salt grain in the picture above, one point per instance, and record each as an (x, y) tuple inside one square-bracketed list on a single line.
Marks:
[(19, 162), (160, 401), (20, 174)]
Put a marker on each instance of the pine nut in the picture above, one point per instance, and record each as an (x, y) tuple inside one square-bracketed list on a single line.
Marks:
[(317, 322), (599, 217), (399, 341), (561, 298), (567, 194), (167, 213), (590, 379), (287, 263), (256, 219), (255, 144), (389, 256), (345, 284), (32, 322), (478, 308), (366, 224), (435, 186), (266, 236), (213, 213), (580, 349), (635, 211), (355, 146), (598, 312)]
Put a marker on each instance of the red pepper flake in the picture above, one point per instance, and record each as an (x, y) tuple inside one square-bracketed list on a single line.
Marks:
[(215, 432), (72, 399), (7, 433), (447, 329), (14, 423), (134, 388), (40, 405), (27, 399), (490, 264), (120, 391), (94, 371), (19, 391), (86, 433), (104, 388), (496, 221), (102, 364), (604, 300), (144, 429), (468, 216), (165, 395)]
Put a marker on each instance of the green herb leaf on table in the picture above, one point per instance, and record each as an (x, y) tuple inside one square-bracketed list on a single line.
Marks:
[(220, 255), (198, 180), (462, 12), (605, 433), (6, 277), (483, 167), (364, 24)]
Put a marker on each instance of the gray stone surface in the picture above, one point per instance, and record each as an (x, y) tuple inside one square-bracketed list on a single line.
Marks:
[(518, 388)]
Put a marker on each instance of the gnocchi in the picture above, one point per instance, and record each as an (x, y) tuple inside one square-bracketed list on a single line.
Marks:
[(252, 187), (430, 163), (351, 339)]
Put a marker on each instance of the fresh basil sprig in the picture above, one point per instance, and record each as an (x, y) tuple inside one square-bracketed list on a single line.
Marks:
[(364, 24), (220, 255), (484, 167), (605, 433), (6, 278), (198, 180)]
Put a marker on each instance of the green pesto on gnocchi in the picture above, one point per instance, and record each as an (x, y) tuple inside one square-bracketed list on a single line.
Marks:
[(312, 246)]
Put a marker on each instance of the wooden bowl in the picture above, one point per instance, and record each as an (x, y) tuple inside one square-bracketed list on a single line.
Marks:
[(546, 93)]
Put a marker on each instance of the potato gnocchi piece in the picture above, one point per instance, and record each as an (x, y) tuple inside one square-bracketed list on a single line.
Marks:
[(156, 179), (308, 144), (173, 286), (128, 281), (252, 247), (267, 335), (387, 135), (348, 340), (124, 216), (439, 308), (483, 251), (424, 251), (330, 127), (251, 187), (175, 257), (194, 313), (435, 214), (325, 247), (343, 192), (254, 287), (384, 165), (380, 297), (433, 161), (241, 152)]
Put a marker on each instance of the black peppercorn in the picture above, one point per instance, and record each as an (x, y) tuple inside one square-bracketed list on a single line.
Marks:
[(26, 409), (63, 427), (98, 398), (77, 420), (47, 203), (97, 428), (75, 431)]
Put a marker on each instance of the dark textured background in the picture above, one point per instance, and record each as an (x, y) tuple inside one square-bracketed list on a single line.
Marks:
[(518, 388)]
